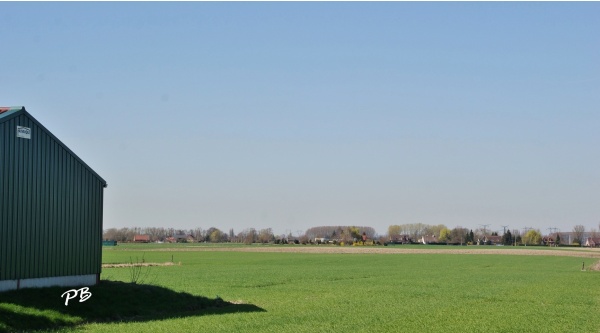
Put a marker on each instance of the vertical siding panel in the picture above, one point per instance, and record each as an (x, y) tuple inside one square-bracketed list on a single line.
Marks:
[(11, 274), (38, 202), (11, 203), (30, 190), (26, 238), (71, 228), (30, 238), (66, 217), (15, 198), (3, 206), (92, 221), (18, 206), (85, 220), (96, 232), (79, 220), (19, 220), (62, 212), (55, 209), (39, 230), (71, 239), (62, 209), (3, 219), (47, 204), (2, 209), (90, 217), (50, 206), (98, 220), (15, 201), (78, 250), (93, 212), (7, 201)]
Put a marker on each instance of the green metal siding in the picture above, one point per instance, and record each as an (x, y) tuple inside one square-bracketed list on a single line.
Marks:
[(50, 206)]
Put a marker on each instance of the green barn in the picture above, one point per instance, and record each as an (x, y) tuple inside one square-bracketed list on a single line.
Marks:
[(50, 208)]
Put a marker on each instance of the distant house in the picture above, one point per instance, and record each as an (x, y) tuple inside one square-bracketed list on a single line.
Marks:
[(400, 239), (428, 239), (571, 237), (549, 241), (141, 239), (183, 238), (494, 240), (592, 242)]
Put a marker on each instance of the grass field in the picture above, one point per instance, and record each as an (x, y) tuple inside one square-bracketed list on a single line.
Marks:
[(209, 289)]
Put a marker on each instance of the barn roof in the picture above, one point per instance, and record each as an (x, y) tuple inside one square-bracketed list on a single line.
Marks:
[(9, 112)]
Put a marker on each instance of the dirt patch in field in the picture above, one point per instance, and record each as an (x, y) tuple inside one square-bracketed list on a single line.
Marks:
[(583, 253), (140, 264)]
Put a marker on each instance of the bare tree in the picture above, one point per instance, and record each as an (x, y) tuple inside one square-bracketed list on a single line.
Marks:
[(394, 232), (247, 236), (578, 233), (265, 235), (110, 234), (459, 235)]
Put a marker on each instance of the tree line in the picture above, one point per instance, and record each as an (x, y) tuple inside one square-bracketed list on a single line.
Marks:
[(212, 234), (409, 233)]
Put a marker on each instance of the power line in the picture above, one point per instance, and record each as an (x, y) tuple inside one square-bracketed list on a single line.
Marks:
[(484, 228)]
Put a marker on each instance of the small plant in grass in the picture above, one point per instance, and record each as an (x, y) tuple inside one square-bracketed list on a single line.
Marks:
[(138, 271)]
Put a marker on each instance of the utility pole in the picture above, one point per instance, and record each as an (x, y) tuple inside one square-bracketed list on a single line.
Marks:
[(553, 231), (504, 227), (484, 232), (484, 228)]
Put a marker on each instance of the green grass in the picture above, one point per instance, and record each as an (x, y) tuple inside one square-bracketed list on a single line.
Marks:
[(321, 292)]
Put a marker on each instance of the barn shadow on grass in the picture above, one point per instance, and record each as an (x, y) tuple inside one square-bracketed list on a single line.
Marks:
[(111, 301)]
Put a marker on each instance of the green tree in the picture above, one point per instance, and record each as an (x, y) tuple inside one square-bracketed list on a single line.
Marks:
[(470, 236), (532, 237), (557, 241), (507, 238), (445, 235), (215, 236), (354, 232)]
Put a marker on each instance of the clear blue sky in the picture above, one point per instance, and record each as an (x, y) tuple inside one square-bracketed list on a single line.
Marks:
[(293, 115)]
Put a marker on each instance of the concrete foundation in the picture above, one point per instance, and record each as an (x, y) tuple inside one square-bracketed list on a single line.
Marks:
[(59, 281)]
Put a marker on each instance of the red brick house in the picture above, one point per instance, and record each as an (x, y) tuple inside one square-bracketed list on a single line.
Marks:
[(141, 239)]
